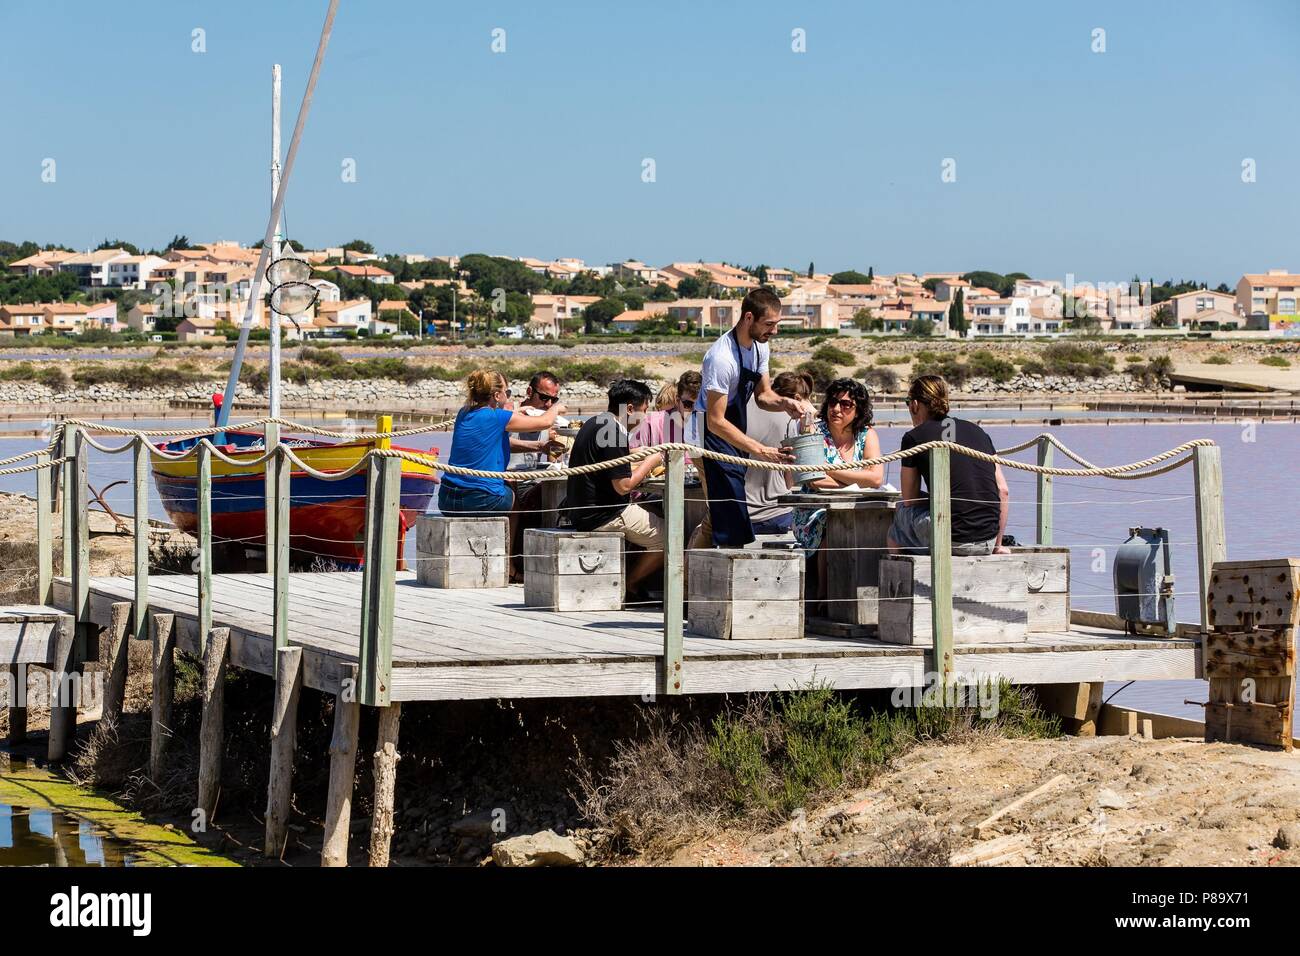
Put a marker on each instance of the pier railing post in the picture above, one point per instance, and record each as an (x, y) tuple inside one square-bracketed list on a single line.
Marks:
[(44, 532), (674, 570), (78, 498), (271, 442), (378, 585), (204, 505), (941, 562), (1211, 541), (67, 451), (140, 608), (277, 543), (1045, 455)]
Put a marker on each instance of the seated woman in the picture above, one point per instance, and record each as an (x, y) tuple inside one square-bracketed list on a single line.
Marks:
[(651, 429), (845, 426), (480, 439)]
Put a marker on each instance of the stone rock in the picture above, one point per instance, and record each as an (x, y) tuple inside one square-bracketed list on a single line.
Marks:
[(475, 825), (537, 849), (1108, 799), (1288, 836)]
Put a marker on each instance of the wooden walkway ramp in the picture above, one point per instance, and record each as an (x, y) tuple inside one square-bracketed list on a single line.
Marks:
[(464, 644)]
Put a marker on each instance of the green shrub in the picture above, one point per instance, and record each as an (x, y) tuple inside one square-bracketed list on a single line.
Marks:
[(833, 354), (878, 379), (1133, 358), (1033, 367), (823, 373), (988, 365), (955, 373), (1276, 361), (892, 360), (1218, 360), (1077, 361)]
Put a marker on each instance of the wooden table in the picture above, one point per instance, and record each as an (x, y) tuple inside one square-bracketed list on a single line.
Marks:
[(696, 504), (857, 528)]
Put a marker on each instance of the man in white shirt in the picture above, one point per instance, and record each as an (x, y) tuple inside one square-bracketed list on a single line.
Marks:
[(736, 369)]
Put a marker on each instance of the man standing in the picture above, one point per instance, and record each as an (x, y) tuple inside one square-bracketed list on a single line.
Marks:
[(980, 498), (600, 500), (736, 369)]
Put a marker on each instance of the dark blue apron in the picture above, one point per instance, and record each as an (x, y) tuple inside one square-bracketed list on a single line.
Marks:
[(728, 512)]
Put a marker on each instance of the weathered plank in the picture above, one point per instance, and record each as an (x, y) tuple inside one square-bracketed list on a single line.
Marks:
[(989, 600), (385, 773), (118, 654), (284, 733), (1211, 540), (941, 611), (212, 742), (674, 571), (64, 690), (343, 766), (746, 594), (462, 552), (164, 677)]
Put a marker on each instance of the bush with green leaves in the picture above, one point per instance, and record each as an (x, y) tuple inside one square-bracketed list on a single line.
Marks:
[(987, 365), (878, 379), (823, 373), (892, 360), (1078, 361), (833, 355), (1218, 360), (1276, 361)]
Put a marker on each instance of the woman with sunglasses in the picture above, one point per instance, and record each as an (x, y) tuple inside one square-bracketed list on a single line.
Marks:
[(845, 426)]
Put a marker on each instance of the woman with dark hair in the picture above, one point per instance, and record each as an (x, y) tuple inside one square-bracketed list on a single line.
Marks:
[(845, 426)]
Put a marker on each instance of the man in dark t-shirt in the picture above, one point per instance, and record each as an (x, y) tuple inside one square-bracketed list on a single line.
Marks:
[(600, 501), (980, 498)]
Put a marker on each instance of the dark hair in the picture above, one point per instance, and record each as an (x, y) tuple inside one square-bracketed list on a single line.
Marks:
[(932, 392), (759, 302), (543, 377), (690, 382), (862, 418), (793, 385), (627, 391)]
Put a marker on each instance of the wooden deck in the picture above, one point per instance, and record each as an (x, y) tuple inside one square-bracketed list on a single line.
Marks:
[(465, 644)]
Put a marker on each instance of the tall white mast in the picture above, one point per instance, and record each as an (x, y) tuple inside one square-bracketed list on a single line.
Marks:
[(272, 317)]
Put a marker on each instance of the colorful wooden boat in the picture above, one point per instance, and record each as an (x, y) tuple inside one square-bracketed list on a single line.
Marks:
[(326, 518)]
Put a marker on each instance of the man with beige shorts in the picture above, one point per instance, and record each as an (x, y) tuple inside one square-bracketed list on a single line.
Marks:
[(601, 500)]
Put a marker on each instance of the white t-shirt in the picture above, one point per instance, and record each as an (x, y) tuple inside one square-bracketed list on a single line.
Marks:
[(720, 372)]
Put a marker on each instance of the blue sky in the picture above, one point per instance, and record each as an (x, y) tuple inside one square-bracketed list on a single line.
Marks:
[(1100, 164)]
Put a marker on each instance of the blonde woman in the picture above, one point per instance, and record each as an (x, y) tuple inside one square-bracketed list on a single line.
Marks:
[(480, 439)]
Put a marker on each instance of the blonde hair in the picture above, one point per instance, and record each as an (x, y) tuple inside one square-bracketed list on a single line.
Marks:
[(932, 392), (667, 397), (482, 382)]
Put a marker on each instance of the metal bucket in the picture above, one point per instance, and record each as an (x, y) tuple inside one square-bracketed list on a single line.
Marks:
[(808, 450)]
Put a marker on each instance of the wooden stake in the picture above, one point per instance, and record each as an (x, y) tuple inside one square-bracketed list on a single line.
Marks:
[(44, 534), (1211, 543), (164, 680), (119, 623), (941, 562), (63, 693), (204, 506), (284, 730), (385, 772), (343, 768), (140, 490), (674, 573), (212, 742), (378, 585), (1045, 454)]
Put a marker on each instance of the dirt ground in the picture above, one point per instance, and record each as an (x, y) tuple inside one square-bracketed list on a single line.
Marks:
[(1112, 801)]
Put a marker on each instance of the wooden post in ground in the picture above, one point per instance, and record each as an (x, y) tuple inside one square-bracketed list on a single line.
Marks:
[(63, 692), (204, 506), (119, 640), (212, 726), (1211, 543), (941, 562), (164, 681), (44, 533), (17, 714), (1078, 706), (140, 492), (674, 571), (343, 768), (378, 585), (385, 771), (284, 731), (1045, 454)]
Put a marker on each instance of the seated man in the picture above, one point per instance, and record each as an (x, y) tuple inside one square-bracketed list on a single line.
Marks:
[(762, 488), (599, 501), (980, 498)]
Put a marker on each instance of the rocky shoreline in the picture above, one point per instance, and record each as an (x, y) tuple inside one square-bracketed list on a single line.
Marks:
[(439, 393)]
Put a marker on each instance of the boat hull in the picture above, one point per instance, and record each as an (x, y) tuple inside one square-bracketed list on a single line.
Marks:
[(326, 518)]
